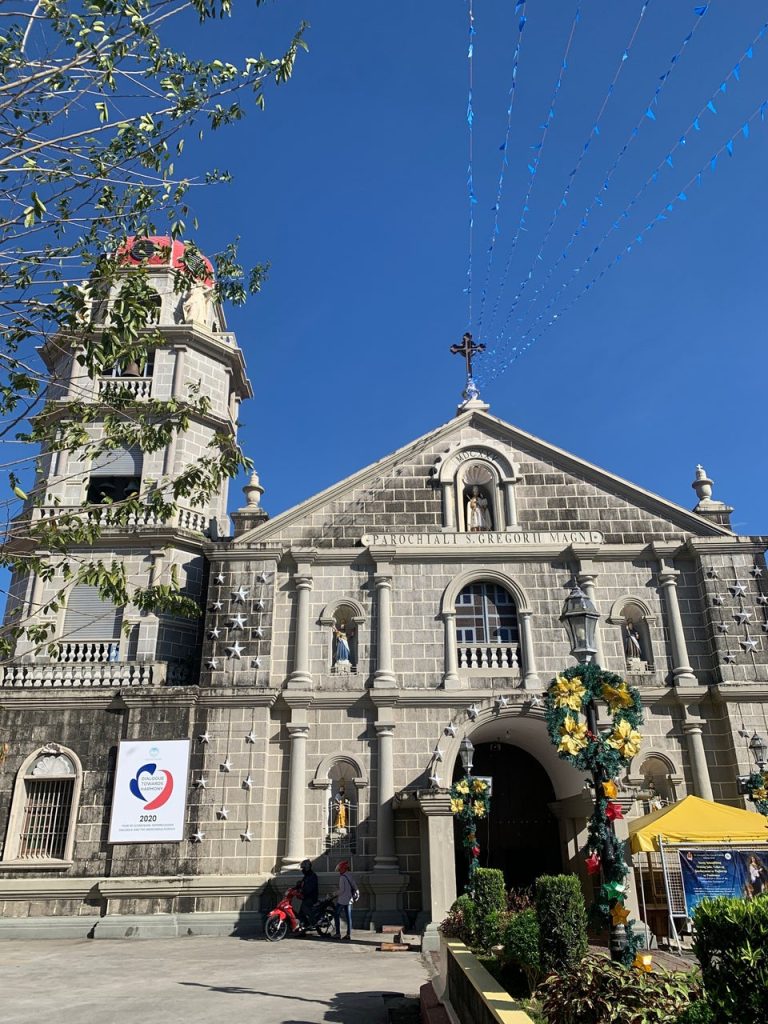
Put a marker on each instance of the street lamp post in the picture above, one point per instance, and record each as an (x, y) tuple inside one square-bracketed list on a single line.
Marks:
[(580, 616), (755, 785), (758, 748)]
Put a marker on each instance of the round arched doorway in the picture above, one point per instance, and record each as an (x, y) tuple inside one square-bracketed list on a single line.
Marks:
[(521, 835)]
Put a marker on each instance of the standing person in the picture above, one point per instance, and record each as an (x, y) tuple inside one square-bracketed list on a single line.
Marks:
[(348, 893), (309, 886)]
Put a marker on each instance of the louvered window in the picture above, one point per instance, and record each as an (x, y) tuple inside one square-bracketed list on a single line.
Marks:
[(88, 617)]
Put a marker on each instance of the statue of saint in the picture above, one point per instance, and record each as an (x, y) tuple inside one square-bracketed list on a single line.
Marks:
[(478, 516), (632, 646), (341, 805), (197, 304), (341, 648)]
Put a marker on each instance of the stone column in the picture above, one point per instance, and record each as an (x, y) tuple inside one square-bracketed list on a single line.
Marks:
[(451, 675), (531, 680), (438, 871), (682, 672), (449, 505), (301, 677), (384, 675), (179, 370), (586, 581), (298, 730), (511, 503), (702, 785), (385, 859)]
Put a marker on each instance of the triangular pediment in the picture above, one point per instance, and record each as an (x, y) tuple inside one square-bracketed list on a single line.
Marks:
[(553, 491)]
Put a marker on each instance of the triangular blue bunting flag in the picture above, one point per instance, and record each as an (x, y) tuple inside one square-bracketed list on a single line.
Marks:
[(696, 124), (503, 145), (625, 55), (682, 195), (698, 178), (682, 140), (521, 26), (531, 169), (749, 53), (713, 163), (669, 207), (702, 9), (655, 176), (763, 107), (745, 129), (729, 147), (711, 106), (563, 201), (596, 129), (649, 113), (669, 160), (723, 86), (737, 72), (518, 5), (687, 39)]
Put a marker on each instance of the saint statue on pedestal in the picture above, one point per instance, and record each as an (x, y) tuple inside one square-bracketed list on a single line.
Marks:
[(478, 516), (341, 807), (342, 655), (632, 646), (197, 304)]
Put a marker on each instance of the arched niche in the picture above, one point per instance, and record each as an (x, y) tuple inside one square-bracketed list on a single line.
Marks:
[(343, 780), (634, 617), (486, 466), (343, 617), (656, 776)]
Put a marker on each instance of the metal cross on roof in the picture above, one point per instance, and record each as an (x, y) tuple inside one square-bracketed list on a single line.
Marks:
[(469, 348)]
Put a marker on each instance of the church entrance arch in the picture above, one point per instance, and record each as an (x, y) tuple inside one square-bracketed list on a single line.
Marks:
[(521, 836)]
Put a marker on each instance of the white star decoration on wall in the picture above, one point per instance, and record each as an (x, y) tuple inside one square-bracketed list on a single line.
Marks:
[(501, 702), (223, 813), (204, 737), (247, 782), (226, 766), (748, 644), (237, 622), (437, 754), (473, 712), (246, 836), (737, 590), (214, 634), (219, 578), (212, 663), (201, 783), (235, 651), (742, 617), (197, 837), (434, 780), (250, 738), (757, 572), (240, 594), (450, 729)]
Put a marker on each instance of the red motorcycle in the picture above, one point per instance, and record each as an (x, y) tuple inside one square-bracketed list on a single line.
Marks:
[(283, 916)]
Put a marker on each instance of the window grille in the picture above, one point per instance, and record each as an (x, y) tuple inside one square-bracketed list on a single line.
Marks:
[(48, 797)]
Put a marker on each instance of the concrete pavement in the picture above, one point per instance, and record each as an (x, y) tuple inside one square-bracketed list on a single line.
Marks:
[(165, 981)]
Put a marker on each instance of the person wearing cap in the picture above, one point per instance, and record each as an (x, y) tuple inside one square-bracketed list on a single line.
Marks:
[(345, 897)]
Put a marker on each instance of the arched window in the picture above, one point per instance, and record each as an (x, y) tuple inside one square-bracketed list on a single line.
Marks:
[(487, 632), (43, 815)]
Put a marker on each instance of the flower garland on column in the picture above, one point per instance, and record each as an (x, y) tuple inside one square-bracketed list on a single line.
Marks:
[(571, 715), (756, 788), (470, 800)]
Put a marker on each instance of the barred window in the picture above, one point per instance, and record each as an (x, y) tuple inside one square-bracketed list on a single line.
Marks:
[(44, 808)]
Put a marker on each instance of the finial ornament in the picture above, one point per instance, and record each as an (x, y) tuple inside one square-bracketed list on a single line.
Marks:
[(253, 491), (702, 484)]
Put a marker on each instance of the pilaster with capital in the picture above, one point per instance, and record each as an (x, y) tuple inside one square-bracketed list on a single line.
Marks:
[(385, 859), (693, 730), (384, 675), (298, 730), (451, 674), (682, 673), (438, 871), (531, 679), (301, 678)]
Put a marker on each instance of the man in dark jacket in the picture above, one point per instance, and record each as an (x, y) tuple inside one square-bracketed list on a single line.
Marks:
[(310, 888)]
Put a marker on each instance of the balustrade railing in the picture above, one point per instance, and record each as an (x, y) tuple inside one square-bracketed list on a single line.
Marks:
[(91, 651), (68, 675), (184, 518), (489, 656), (139, 387)]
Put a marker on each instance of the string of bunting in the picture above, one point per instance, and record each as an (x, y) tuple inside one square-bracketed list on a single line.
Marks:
[(569, 700), (496, 208), (535, 162), (681, 196), (696, 125), (597, 200), (470, 167)]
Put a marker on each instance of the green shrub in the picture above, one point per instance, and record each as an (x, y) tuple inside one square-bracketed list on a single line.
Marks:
[(562, 921), (489, 891), (462, 921), (491, 929), (521, 945), (598, 991), (731, 943), (699, 1012)]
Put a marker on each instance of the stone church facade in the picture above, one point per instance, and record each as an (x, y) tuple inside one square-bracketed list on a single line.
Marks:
[(347, 647)]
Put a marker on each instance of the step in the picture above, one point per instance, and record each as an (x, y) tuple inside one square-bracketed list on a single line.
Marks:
[(390, 929), (393, 947)]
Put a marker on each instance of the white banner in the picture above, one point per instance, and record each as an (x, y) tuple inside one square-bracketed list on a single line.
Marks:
[(149, 800)]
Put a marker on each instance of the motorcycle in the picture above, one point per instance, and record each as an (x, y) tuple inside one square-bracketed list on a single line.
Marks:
[(284, 917)]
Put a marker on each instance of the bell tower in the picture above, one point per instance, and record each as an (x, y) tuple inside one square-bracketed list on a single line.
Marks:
[(95, 642)]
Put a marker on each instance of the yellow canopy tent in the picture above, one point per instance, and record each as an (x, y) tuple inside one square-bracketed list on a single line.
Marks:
[(694, 820)]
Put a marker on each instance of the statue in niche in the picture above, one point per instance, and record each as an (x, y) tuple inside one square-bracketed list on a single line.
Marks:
[(342, 651), (197, 304), (340, 809), (478, 514), (632, 646)]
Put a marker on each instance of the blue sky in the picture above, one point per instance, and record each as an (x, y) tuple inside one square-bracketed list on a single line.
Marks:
[(353, 183)]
